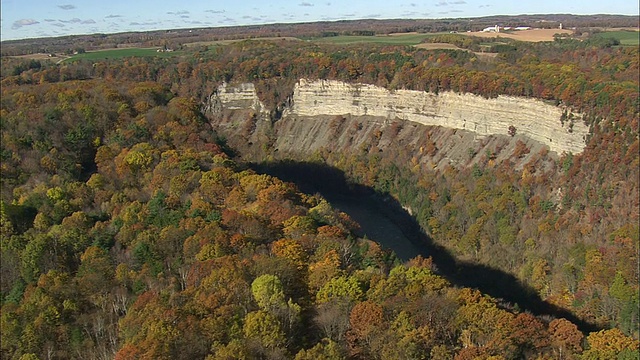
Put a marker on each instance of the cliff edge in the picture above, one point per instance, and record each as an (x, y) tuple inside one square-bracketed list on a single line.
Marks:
[(530, 117), (323, 102)]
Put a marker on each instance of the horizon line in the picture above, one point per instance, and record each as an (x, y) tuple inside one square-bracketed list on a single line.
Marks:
[(309, 22)]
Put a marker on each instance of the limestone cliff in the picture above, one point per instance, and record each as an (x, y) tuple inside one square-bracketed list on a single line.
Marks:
[(530, 117), (231, 98), (320, 104)]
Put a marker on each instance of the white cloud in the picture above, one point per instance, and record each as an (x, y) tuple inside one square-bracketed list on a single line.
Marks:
[(72, 21), (135, 23), (227, 20), (23, 22)]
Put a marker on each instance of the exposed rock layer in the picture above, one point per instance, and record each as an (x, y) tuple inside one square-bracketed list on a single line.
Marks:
[(531, 118), (237, 97)]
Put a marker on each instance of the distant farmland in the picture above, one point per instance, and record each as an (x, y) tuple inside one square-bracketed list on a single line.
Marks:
[(120, 53), (626, 37), (409, 39), (533, 35)]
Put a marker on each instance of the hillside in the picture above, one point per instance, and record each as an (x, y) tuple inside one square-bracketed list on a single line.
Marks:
[(476, 194), (171, 250)]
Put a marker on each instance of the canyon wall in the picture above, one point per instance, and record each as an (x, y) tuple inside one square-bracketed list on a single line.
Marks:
[(531, 118), (239, 97)]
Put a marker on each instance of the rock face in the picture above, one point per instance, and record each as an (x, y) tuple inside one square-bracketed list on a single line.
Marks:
[(320, 100), (531, 118), (238, 97)]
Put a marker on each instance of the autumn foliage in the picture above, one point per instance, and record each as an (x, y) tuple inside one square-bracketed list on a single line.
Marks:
[(131, 231)]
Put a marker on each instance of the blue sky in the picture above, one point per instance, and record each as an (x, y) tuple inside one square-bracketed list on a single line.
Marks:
[(42, 18)]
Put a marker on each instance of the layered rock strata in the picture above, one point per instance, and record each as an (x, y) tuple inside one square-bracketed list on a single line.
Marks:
[(530, 118), (237, 97)]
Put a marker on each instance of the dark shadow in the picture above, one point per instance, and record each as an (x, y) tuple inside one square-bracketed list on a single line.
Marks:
[(332, 183), (21, 217)]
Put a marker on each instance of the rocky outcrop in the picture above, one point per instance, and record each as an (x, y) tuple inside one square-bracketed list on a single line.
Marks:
[(234, 98), (530, 118)]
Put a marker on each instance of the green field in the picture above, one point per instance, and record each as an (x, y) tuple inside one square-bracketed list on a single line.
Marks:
[(120, 53), (400, 39), (405, 39), (631, 38)]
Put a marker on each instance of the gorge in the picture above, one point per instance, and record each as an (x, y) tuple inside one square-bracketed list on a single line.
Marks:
[(338, 117)]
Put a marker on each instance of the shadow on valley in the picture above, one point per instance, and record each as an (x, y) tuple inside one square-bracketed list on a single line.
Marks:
[(376, 212)]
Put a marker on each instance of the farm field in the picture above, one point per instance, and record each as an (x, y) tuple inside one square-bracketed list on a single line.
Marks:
[(436, 46), (120, 53), (391, 39), (38, 56), (533, 35), (409, 39), (626, 37), (226, 42), (447, 46)]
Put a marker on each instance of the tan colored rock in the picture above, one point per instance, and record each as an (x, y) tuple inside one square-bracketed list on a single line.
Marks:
[(235, 97), (531, 118)]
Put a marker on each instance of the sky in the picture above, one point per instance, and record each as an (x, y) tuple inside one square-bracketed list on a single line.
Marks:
[(45, 18)]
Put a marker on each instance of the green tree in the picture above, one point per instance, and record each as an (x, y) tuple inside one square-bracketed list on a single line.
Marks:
[(267, 291), (264, 328), (340, 287), (324, 350)]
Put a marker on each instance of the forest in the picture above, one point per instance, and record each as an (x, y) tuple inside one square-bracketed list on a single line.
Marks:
[(133, 229)]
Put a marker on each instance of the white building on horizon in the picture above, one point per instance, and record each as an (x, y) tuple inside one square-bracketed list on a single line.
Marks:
[(495, 28)]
